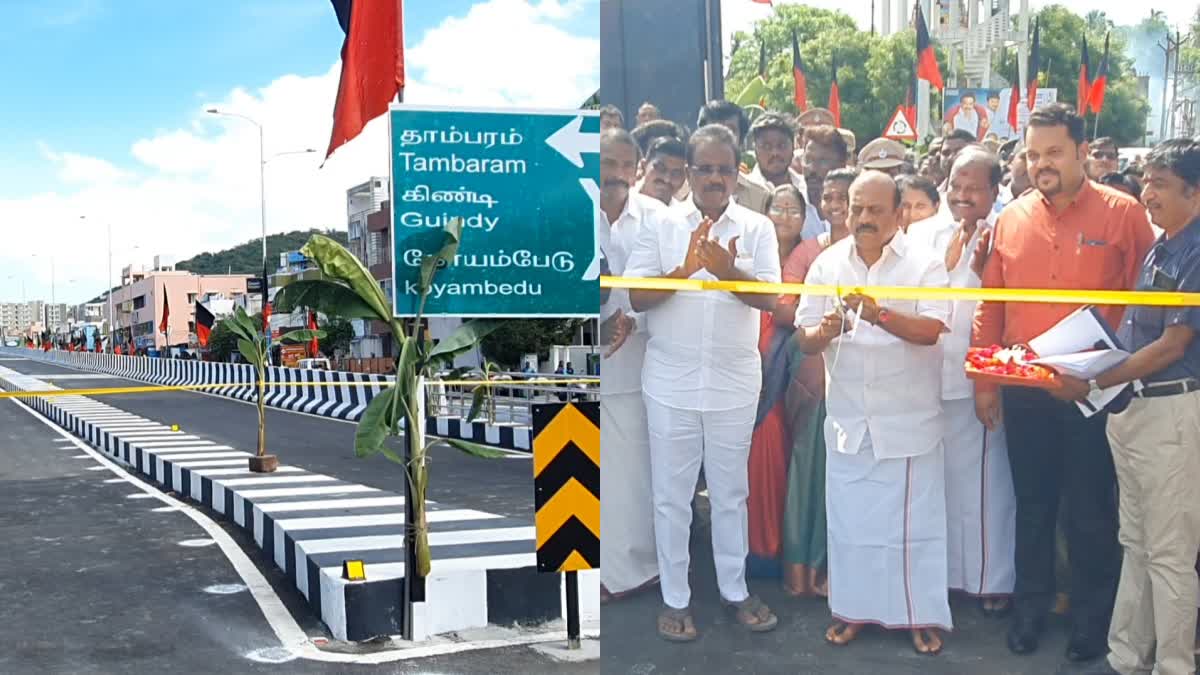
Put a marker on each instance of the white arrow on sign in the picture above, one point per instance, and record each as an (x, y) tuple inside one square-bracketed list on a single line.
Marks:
[(571, 142), (593, 191)]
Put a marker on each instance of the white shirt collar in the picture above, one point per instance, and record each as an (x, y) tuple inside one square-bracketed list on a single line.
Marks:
[(898, 245)]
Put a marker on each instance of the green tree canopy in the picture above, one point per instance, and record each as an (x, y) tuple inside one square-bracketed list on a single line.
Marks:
[(873, 71), (517, 337), (1124, 113)]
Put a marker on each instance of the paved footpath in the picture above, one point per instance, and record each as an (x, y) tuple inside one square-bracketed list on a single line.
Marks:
[(96, 577), (797, 646)]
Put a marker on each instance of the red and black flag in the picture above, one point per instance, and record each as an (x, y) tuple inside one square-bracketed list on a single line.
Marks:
[(314, 347), (910, 97), (1014, 98), (1100, 84), (204, 324), (798, 77), (835, 96), (1031, 86), (927, 65), (166, 317), (372, 64), (267, 318), (1085, 81)]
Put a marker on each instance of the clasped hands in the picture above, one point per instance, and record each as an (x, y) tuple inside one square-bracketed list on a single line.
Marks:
[(835, 322), (705, 252)]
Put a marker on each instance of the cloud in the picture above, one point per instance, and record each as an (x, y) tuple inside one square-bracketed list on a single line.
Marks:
[(195, 188)]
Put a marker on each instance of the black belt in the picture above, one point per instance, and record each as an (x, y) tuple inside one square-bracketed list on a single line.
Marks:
[(1170, 389)]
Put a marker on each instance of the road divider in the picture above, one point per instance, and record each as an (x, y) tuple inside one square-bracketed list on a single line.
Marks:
[(1037, 295)]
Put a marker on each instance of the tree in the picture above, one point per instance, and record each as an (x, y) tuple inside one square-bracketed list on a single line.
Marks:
[(518, 337), (873, 71), (1124, 113), (338, 334)]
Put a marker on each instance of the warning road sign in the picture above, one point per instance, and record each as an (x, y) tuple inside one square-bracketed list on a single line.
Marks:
[(566, 483), (900, 128)]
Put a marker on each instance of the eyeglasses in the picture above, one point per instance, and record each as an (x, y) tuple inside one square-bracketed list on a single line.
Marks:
[(1104, 154), (708, 170), (790, 213)]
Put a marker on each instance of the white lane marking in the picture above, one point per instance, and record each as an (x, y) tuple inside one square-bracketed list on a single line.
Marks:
[(166, 509), (139, 495), (322, 522), (243, 471), (96, 468), (276, 614), (197, 543), (380, 542), (114, 480), (225, 589), (81, 456), (322, 504)]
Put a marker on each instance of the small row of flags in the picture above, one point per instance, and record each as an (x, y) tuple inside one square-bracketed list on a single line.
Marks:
[(925, 67)]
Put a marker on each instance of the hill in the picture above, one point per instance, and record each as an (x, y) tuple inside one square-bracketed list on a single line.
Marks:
[(247, 258)]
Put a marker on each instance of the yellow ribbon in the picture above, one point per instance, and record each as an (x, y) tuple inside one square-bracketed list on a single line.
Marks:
[(1039, 295)]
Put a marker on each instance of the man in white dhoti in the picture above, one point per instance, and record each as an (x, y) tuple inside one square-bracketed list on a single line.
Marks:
[(626, 527), (702, 375), (885, 493), (981, 509)]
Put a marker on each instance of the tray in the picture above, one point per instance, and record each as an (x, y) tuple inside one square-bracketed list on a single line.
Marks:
[(1013, 380)]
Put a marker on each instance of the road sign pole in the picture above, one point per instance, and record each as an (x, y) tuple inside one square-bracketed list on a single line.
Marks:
[(573, 641)]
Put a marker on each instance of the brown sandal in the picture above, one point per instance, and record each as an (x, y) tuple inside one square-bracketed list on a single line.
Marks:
[(753, 608), (676, 625)]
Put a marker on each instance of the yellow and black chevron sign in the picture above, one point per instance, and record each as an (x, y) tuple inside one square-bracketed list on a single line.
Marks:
[(566, 483)]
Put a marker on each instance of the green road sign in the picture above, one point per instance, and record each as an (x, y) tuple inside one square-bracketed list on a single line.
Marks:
[(525, 184)]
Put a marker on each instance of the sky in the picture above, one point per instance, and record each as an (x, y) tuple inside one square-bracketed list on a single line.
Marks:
[(103, 118), (741, 14)]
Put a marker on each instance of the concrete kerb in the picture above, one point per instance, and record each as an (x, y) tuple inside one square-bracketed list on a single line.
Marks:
[(342, 402), (483, 565)]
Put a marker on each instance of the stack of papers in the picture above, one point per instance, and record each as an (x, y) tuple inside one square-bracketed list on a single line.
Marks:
[(1082, 346)]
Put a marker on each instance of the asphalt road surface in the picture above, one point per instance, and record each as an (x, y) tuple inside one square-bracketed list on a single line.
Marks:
[(96, 577), (323, 445), (797, 646)]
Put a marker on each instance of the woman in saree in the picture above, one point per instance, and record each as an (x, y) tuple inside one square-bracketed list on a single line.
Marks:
[(804, 535)]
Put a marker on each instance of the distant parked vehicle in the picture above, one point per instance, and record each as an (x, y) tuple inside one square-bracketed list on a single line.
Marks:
[(313, 364)]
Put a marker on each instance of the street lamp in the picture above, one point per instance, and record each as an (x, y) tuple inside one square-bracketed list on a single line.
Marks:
[(262, 201)]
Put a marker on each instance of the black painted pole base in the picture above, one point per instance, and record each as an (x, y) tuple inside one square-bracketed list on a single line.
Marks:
[(573, 641)]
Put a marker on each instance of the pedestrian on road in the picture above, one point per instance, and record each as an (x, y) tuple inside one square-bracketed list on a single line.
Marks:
[(701, 378), (1067, 232), (626, 501), (981, 508), (1156, 440), (884, 469)]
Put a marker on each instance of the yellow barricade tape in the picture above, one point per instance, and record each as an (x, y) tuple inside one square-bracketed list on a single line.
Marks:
[(150, 389), (1041, 295)]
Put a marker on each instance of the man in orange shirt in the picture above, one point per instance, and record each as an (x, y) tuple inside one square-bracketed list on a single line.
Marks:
[(1069, 233)]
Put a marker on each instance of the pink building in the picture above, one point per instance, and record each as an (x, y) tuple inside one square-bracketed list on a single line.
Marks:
[(138, 303)]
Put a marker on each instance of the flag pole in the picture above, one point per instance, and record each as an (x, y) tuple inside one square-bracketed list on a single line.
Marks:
[(1096, 125)]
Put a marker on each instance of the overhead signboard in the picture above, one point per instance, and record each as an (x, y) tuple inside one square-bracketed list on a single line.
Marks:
[(525, 183)]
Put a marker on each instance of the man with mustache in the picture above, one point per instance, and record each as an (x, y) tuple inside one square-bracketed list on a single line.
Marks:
[(883, 431), (1156, 440), (772, 135), (664, 170), (702, 376), (824, 150), (748, 193), (1067, 232), (980, 506), (627, 532)]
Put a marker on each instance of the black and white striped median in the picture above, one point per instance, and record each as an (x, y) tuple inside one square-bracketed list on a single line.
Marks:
[(483, 565), (342, 395)]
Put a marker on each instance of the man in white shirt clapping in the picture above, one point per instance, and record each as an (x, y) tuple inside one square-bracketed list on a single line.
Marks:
[(702, 375)]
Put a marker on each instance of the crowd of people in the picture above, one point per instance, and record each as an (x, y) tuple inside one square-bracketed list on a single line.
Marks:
[(839, 441)]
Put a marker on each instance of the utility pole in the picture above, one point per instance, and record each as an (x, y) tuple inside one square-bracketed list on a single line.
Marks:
[(1168, 49)]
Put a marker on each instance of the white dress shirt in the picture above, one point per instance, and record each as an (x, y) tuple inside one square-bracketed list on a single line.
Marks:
[(623, 370), (703, 348), (936, 233), (874, 381), (814, 225)]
